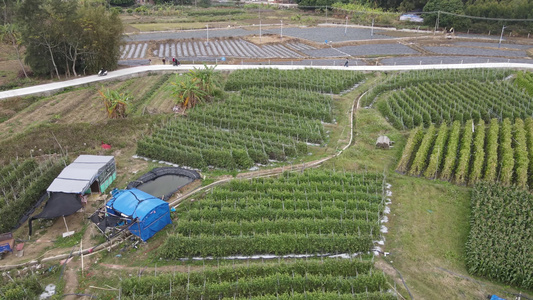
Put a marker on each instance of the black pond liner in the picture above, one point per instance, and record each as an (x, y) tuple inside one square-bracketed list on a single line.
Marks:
[(158, 172)]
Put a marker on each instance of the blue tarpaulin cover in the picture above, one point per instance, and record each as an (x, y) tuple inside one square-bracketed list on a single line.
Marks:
[(149, 213)]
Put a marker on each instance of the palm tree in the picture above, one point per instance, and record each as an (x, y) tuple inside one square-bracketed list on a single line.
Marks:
[(115, 103)]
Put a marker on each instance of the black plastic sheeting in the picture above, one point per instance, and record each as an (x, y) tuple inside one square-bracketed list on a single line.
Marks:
[(30, 211), (59, 204), (157, 172)]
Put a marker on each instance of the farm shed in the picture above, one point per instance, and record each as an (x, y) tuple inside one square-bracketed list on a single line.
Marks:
[(145, 214), (86, 174)]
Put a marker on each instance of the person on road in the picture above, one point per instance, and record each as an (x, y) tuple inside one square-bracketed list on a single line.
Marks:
[(346, 63), (164, 60)]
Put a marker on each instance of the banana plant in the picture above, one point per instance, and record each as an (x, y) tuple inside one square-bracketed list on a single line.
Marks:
[(187, 91), (116, 103)]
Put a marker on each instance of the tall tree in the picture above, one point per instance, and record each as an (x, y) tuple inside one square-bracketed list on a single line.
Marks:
[(445, 20), (64, 36), (10, 34)]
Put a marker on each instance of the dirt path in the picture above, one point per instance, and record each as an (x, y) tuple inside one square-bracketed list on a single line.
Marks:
[(166, 269), (71, 281)]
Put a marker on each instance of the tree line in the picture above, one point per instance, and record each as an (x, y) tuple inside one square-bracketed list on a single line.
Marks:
[(481, 13), (63, 37)]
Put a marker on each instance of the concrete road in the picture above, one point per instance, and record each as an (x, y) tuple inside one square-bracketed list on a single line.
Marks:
[(51, 88)]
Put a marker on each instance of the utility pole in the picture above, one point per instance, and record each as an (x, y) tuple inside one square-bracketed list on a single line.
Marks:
[(372, 30), (501, 37), (207, 26), (260, 37), (437, 23), (281, 31), (326, 14), (346, 26)]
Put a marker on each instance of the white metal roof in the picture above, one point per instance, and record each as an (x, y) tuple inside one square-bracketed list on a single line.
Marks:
[(79, 175)]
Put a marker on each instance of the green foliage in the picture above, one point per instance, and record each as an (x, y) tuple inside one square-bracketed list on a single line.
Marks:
[(341, 277), (461, 172), (328, 81), (506, 153), (21, 186), (521, 159), (478, 153), (437, 153), (491, 163), (253, 127), (446, 20), (27, 288), (176, 247), (404, 80), (314, 212), (116, 103), (426, 103), (494, 154), (123, 3), (500, 239), (420, 161), (410, 149), (529, 141), (66, 37)]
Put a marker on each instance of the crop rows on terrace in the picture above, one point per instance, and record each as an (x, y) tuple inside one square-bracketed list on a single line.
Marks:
[(252, 127), (436, 77), (316, 212), (499, 152), (22, 182), (524, 80), (427, 103), (326, 81), (310, 279), (500, 240)]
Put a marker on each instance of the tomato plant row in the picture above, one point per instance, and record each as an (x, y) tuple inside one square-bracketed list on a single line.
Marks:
[(469, 154)]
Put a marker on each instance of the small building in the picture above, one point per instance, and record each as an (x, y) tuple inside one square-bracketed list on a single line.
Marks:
[(87, 174), (384, 142)]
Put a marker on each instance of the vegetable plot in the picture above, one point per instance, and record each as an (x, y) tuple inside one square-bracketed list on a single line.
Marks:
[(254, 126), (21, 185), (326, 81), (428, 102), (499, 153), (316, 212), (500, 240), (312, 279)]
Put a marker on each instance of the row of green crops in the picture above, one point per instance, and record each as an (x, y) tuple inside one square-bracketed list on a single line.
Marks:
[(524, 80), (326, 81), (252, 127), (500, 240), (314, 212), (321, 278), (435, 77), (428, 103), (499, 152), (21, 185)]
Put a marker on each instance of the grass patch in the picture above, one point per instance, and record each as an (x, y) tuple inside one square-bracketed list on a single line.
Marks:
[(70, 241)]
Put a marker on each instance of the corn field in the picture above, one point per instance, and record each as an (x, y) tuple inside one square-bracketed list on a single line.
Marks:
[(500, 242)]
